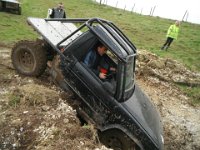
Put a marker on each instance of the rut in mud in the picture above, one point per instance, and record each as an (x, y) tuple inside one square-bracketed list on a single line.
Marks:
[(34, 113)]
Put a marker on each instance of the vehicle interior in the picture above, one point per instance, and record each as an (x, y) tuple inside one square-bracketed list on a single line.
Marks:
[(79, 49)]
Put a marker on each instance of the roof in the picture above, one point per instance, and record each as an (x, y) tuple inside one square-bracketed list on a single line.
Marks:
[(11, 1)]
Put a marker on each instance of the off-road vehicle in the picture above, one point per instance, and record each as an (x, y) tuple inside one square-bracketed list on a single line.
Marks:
[(123, 115), (12, 6)]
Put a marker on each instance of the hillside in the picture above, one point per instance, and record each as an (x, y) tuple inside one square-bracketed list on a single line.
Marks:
[(144, 31)]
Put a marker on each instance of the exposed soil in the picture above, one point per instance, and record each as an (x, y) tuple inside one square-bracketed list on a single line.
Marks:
[(34, 114), (181, 121)]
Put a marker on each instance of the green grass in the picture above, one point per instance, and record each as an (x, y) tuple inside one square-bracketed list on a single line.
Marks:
[(14, 100), (193, 93), (144, 31)]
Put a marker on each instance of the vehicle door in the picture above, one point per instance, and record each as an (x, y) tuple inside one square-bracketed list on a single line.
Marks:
[(95, 98)]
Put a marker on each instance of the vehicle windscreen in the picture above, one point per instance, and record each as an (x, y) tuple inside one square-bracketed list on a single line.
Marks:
[(124, 44), (129, 82)]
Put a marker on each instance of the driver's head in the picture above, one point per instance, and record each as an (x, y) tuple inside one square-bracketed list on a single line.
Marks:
[(101, 49)]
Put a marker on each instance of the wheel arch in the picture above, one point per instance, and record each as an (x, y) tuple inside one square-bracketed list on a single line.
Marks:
[(120, 128)]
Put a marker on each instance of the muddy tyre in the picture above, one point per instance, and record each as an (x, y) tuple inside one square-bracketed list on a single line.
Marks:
[(29, 58), (117, 140)]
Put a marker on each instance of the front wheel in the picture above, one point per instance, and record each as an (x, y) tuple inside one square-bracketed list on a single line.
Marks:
[(117, 140), (29, 58)]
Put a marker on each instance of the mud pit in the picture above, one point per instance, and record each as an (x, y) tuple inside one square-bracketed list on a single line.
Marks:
[(34, 114)]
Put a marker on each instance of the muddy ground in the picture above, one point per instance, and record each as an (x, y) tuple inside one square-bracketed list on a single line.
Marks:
[(34, 113)]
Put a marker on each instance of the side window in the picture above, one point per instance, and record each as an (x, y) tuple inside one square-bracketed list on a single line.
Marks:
[(103, 68), (84, 50), (110, 82), (79, 47), (110, 64)]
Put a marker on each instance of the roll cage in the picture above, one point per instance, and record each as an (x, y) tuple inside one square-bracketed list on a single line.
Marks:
[(107, 26), (107, 33)]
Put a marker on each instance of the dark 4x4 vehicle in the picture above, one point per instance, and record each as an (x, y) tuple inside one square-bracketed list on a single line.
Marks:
[(122, 113), (10, 6)]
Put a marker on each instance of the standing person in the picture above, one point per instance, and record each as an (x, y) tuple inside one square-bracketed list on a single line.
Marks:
[(172, 34), (57, 12)]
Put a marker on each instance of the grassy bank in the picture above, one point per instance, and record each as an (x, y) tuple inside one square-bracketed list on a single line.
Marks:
[(144, 31)]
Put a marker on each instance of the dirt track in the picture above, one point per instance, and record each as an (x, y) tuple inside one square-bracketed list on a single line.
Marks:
[(34, 113)]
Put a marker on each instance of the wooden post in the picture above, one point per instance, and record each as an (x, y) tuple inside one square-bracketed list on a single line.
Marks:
[(150, 12), (187, 17), (133, 7), (153, 10), (184, 15), (116, 4), (125, 8), (141, 11)]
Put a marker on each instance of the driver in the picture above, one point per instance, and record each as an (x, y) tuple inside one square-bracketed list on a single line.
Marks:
[(96, 61)]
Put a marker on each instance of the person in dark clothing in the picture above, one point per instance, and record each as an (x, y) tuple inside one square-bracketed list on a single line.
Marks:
[(96, 61), (58, 12)]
